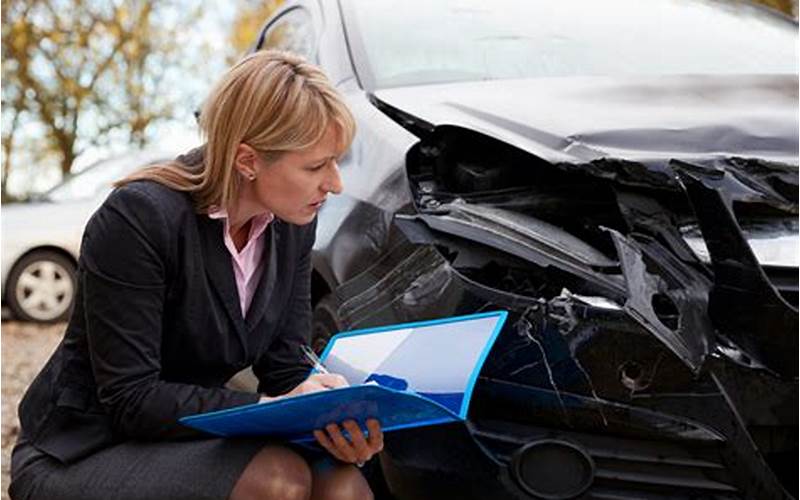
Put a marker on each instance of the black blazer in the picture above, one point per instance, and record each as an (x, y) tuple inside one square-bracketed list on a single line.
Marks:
[(157, 329)]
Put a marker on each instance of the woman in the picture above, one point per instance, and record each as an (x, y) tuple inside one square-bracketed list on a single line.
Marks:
[(190, 272)]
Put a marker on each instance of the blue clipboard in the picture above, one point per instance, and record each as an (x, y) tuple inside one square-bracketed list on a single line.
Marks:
[(405, 375)]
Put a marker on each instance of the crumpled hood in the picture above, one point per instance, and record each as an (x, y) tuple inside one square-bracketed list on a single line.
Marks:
[(644, 119)]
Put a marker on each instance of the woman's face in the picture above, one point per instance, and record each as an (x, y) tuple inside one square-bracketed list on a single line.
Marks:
[(295, 185)]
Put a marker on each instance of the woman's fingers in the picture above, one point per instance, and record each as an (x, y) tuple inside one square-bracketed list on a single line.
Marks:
[(325, 442), (358, 441), (358, 448), (375, 439), (341, 444)]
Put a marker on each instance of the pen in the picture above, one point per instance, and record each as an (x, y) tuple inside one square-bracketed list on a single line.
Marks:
[(312, 357)]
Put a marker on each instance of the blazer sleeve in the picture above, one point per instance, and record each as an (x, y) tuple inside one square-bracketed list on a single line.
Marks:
[(280, 368), (125, 264)]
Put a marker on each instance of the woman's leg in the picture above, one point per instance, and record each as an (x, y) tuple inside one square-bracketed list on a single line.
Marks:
[(276, 473), (338, 482)]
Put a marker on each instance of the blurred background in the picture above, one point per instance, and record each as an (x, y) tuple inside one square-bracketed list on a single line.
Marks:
[(87, 79), (92, 90)]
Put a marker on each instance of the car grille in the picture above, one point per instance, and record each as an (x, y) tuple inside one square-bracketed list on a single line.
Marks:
[(626, 468)]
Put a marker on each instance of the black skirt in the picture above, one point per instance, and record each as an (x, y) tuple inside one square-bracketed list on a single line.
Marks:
[(174, 470)]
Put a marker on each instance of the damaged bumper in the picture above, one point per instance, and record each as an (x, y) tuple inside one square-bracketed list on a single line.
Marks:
[(651, 375), (586, 382)]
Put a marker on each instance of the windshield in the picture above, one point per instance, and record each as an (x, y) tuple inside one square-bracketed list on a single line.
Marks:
[(97, 178), (412, 43)]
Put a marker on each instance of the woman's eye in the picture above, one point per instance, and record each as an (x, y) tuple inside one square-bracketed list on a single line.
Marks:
[(317, 167)]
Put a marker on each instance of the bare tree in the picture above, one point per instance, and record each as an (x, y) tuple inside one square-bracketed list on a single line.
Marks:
[(84, 68), (13, 102), (13, 106)]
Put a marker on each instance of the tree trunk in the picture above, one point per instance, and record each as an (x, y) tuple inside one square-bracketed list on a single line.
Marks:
[(66, 145), (8, 148), (67, 157)]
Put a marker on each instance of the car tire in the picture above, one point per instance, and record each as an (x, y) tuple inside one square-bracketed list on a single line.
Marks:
[(41, 287), (325, 322)]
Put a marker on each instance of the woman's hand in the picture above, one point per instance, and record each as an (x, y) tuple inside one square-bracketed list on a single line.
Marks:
[(314, 383), (319, 382), (358, 449)]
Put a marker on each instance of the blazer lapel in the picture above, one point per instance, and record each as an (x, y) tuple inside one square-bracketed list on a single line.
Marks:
[(266, 284), (220, 270)]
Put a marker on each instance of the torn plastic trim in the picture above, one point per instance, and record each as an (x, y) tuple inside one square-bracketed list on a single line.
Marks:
[(418, 282), (551, 237), (690, 338), (421, 278), (743, 304), (648, 215), (725, 348), (403, 281), (595, 302), (751, 181), (522, 236)]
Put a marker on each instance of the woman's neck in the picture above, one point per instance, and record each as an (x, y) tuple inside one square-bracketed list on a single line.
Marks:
[(240, 213), (239, 234)]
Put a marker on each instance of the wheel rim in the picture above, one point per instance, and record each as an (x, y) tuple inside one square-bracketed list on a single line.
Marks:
[(44, 290)]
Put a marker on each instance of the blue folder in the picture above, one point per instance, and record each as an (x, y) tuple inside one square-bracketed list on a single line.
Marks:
[(405, 375)]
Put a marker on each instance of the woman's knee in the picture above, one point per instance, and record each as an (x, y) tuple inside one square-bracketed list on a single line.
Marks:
[(341, 482), (274, 472)]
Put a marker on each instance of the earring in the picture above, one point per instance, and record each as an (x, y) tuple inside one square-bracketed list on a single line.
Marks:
[(251, 177)]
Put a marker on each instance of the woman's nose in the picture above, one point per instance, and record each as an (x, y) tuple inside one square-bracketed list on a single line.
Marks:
[(333, 184)]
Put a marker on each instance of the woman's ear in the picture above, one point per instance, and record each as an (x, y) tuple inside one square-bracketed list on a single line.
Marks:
[(245, 161)]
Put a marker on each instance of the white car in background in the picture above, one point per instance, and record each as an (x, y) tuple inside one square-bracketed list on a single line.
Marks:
[(42, 237)]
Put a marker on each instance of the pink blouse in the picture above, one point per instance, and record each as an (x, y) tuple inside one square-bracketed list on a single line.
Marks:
[(248, 264)]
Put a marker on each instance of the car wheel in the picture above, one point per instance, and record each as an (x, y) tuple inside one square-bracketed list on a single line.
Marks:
[(325, 322), (41, 287)]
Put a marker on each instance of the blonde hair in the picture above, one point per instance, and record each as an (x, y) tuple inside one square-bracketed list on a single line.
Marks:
[(273, 101)]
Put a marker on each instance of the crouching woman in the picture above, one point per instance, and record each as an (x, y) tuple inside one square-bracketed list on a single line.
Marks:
[(189, 272)]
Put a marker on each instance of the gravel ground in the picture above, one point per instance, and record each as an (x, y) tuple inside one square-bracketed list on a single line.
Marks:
[(26, 347)]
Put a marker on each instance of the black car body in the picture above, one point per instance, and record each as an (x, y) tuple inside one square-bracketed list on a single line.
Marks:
[(630, 198)]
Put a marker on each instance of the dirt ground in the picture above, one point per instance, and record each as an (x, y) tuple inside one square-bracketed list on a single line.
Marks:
[(26, 347)]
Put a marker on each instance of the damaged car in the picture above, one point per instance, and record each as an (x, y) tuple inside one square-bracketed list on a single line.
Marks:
[(622, 178)]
